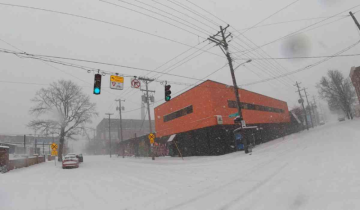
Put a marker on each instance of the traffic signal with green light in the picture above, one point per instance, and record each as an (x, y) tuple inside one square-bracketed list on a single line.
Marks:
[(167, 92), (97, 84)]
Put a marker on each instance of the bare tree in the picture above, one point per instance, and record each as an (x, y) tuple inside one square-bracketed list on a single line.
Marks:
[(338, 92), (64, 108)]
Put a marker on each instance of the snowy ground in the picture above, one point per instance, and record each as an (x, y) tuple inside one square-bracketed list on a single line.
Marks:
[(319, 169)]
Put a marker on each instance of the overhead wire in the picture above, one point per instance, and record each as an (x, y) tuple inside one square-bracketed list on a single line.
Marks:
[(304, 68), (270, 16), (164, 5), (192, 11), (117, 5), (302, 29), (302, 57), (36, 56), (101, 21), (151, 6), (189, 9), (201, 30)]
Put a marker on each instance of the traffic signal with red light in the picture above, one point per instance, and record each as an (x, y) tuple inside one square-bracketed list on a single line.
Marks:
[(167, 92), (97, 84)]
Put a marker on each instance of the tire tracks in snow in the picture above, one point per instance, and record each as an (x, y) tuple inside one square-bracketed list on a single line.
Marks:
[(256, 168)]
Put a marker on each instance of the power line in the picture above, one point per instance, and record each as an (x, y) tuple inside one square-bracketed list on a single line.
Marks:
[(296, 32), (303, 57), (197, 27), (33, 56), (164, 5), (304, 68), (194, 12), (269, 16), (225, 22), (171, 15), (102, 21), (151, 16)]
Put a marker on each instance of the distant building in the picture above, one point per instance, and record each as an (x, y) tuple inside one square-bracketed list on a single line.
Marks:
[(355, 78), (130, 127)]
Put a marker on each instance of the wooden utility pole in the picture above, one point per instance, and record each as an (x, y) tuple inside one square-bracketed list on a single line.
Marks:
[(147, 81), (109, 131), (220, 39), (310, 108), (301, 100), (355, 20), (24, 144), (121, 130)]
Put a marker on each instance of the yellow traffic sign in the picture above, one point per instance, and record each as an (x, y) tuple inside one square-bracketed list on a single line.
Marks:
[(54, 146), (54, 153), (151, 136), (152, 141), (114, 78)]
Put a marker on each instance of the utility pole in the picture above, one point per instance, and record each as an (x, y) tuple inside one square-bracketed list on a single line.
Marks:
[(220, 40), (109, 131), (147, 81), (120, 108), (24, 144), (316, 113), (355, 20), (301, 100), (43, 148), (310, 108)]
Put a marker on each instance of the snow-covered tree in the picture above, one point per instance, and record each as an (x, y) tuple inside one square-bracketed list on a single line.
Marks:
[(62, 108)]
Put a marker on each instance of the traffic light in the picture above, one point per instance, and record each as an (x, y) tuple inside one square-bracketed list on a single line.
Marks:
[(167, 92), (97, 84)]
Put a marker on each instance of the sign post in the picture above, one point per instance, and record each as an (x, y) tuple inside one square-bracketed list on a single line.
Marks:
[(151, 137), (54, 152)]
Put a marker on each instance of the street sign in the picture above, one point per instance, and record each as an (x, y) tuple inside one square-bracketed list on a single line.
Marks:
[(54, 146), (135, 83), (54, 153), (116, 82), (151, 136), (152, 141), (234, 115)]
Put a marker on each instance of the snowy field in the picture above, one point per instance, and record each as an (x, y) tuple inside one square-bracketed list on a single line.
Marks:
[(314, 170)]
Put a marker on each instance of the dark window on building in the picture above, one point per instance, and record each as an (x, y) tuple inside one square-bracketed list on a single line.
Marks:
[(179, 113), (232, 104)]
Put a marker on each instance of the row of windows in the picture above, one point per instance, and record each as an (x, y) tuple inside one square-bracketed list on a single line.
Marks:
[(233, 104), (180, 113)]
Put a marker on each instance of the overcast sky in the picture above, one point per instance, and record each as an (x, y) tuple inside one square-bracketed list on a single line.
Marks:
[(47, 33)]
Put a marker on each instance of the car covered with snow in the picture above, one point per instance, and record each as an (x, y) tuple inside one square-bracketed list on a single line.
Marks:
[(78, 156), (70, 161)]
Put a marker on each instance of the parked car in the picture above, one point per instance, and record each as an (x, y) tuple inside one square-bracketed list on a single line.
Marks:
[(322, 123), (80, 157), (70, 161), (341, 119)]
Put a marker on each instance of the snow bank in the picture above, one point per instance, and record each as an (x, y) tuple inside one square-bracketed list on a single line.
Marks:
[(316, 169)]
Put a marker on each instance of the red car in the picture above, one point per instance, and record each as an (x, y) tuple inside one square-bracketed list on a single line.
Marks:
[(70, 161)]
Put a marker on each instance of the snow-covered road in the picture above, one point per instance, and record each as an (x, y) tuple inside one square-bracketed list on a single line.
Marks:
[(316, 169)]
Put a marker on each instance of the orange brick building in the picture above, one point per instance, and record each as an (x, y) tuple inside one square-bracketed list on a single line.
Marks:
[(200, 118)]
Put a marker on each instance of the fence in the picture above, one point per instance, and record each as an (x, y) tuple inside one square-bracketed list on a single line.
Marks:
[(20, 163)]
